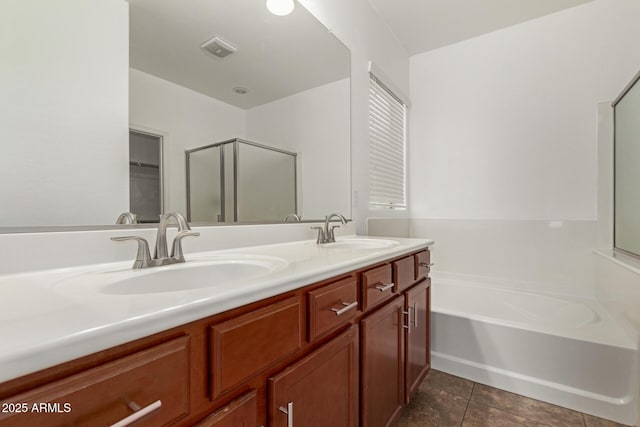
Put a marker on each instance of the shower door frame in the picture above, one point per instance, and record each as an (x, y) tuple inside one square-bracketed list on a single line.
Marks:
[(236, 154)]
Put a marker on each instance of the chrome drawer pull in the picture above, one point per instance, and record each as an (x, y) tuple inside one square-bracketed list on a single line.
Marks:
[(415, 315), (425, 264), (347, 307), (138, 414), (406, 313), (289, 412), (384, 287)]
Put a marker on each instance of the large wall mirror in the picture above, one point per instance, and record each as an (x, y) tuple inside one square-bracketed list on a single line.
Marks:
[(627, 169), (200, 72)]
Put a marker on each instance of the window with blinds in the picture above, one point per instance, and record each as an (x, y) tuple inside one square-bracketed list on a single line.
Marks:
[(387, 147)]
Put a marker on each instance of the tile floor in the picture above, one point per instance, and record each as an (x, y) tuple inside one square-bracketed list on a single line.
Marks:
[(446, 400)]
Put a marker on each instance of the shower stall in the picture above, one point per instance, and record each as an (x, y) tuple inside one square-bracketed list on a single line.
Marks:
[(241, 181)]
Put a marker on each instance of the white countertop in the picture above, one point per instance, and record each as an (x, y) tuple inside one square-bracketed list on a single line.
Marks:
[(53, 316)]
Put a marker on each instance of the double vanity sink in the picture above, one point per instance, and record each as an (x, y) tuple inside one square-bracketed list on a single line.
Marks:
[(72, 312), (228, 269), (233, 335)]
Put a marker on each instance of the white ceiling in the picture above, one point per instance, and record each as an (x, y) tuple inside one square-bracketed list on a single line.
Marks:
[(276, 56), (423, 25)]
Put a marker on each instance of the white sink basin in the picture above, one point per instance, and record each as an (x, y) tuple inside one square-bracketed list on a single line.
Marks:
[(360, 243), (200, 273)]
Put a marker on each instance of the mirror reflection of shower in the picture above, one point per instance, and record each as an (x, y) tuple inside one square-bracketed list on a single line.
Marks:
[(241, 181)]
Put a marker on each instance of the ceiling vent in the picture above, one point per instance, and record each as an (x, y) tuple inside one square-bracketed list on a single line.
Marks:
[(218, 47)]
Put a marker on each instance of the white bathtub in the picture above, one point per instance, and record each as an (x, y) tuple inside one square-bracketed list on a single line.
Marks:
[(563, 350)]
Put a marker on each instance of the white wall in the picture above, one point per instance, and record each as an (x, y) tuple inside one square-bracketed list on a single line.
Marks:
[(503, 129), (63, 97), (315, 123), (504, 125), (186, 119)]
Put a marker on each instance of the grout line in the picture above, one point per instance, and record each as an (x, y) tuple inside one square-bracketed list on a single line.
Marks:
[(464, 415), (584, 421)]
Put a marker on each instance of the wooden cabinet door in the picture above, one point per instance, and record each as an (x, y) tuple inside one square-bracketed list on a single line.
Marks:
[(321, 389), (240, 412), (382, 364), (418, 352)]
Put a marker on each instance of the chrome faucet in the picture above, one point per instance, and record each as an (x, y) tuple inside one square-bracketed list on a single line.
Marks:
[(326, 234), (295, 217), (161, 256), (126, 218)]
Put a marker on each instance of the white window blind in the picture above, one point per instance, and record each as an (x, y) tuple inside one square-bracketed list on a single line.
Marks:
[(387, 147)]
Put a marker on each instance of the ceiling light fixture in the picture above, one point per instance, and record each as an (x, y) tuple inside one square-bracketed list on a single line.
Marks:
[(280, 7)]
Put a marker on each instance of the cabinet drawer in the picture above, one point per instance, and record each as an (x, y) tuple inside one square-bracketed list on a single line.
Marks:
[(423, 264), (242, 411), (404, 272), (152, 382), (331, 306), (377, 286), (245, 345)]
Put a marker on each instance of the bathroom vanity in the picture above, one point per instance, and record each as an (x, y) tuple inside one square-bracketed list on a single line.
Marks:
[(346, 349)]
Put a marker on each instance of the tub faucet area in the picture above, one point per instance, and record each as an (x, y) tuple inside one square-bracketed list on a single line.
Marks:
[(161, 255)]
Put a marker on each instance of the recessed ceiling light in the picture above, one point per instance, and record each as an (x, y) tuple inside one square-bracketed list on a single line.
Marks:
[(241, 90), (280, 7)]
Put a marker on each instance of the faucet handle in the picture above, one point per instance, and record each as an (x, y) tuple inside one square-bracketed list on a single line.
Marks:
[(320, 238), (143, 256), (176, 250)]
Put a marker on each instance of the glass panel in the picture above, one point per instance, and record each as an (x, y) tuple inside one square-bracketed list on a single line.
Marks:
[(204, 185), (266, 184), (627, 171), (229, 179)]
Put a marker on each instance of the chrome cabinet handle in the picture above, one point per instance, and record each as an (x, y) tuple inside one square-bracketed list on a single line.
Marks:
[(415, 315), (426, 264), (384, 287), (347, 307), (406, 313), (289, 412), (139, 413)]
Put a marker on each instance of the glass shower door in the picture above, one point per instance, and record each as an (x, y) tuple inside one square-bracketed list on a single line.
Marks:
[(266, 183), (205, 194)]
